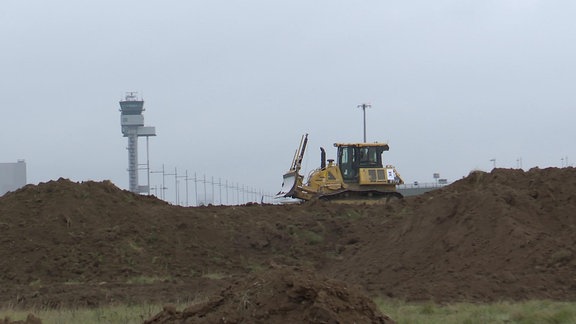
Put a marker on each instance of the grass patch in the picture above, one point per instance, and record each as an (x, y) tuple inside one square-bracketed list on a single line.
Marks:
[(214, 276), (255, 267), (561, 256), (308, 236), (350, 214), (113, 314), (146, 280), (36, 283), (529, 312), (334, 255), (135, 247)]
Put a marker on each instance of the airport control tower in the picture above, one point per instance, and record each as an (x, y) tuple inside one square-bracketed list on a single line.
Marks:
[(132, 122)]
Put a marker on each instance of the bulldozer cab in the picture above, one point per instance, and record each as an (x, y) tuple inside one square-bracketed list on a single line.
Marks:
[(353, 157)]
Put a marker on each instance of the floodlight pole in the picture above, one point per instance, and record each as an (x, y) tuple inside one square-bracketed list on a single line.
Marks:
[(364, 106), (196, 189), (175, 174), (185, 177)]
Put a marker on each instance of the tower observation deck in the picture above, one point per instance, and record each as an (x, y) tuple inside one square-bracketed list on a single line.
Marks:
[(132, 122)]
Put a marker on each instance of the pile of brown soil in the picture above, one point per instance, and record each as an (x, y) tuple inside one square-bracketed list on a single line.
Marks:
[(280, 295), (507, 234)]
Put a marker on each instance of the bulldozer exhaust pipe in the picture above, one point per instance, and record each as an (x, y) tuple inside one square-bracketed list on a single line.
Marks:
[(322, 158)]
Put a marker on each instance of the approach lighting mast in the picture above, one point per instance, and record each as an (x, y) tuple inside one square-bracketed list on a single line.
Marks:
[(132, 122)]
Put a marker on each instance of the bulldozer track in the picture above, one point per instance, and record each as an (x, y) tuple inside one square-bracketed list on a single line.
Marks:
[(370, 196)]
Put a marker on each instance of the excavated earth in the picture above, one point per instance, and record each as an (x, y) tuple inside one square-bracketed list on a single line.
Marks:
[(504, 235)]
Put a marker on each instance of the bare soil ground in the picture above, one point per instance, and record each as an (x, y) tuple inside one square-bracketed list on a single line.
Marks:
[(504, 235)]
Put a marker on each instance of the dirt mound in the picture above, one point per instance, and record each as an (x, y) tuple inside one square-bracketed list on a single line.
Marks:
[(280, 295), (507, 234), (87, 244), (63, 231), (504, 234)]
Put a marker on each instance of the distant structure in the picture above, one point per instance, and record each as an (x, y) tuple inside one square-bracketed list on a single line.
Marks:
[(12, 176), (415, 189), (132, 122), (364, 106)]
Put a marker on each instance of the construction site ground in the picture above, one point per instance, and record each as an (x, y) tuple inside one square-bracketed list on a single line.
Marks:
[(503, 235)]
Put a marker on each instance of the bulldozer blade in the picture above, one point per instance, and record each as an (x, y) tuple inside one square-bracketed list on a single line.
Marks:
[(288, 185)]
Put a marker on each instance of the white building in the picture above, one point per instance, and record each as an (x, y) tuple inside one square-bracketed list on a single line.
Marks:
[(12, 176)]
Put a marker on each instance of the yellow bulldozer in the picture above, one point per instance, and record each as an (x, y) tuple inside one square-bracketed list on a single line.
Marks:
[(358, 174)]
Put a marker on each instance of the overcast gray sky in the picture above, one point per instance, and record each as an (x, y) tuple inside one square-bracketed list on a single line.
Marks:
[(232, 85)]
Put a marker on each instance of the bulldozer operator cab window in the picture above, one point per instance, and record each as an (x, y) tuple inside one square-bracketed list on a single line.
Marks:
[(347, 162), (351, 158), (369, 157)]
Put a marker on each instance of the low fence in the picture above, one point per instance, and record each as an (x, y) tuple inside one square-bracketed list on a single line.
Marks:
[(414, 189), (186, 189)]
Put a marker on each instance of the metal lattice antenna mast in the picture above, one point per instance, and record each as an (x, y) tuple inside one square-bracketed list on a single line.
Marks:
[(364, 106)]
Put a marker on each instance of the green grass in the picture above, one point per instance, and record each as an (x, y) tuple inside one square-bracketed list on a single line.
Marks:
[(111, 314), (530, 312), (214, 275), (146, 280), (308, 236)]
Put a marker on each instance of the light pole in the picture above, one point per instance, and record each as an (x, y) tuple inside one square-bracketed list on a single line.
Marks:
[(364, 106), (175, 174), (196, 189), (185, 178), (493, 163), (163, 181)]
